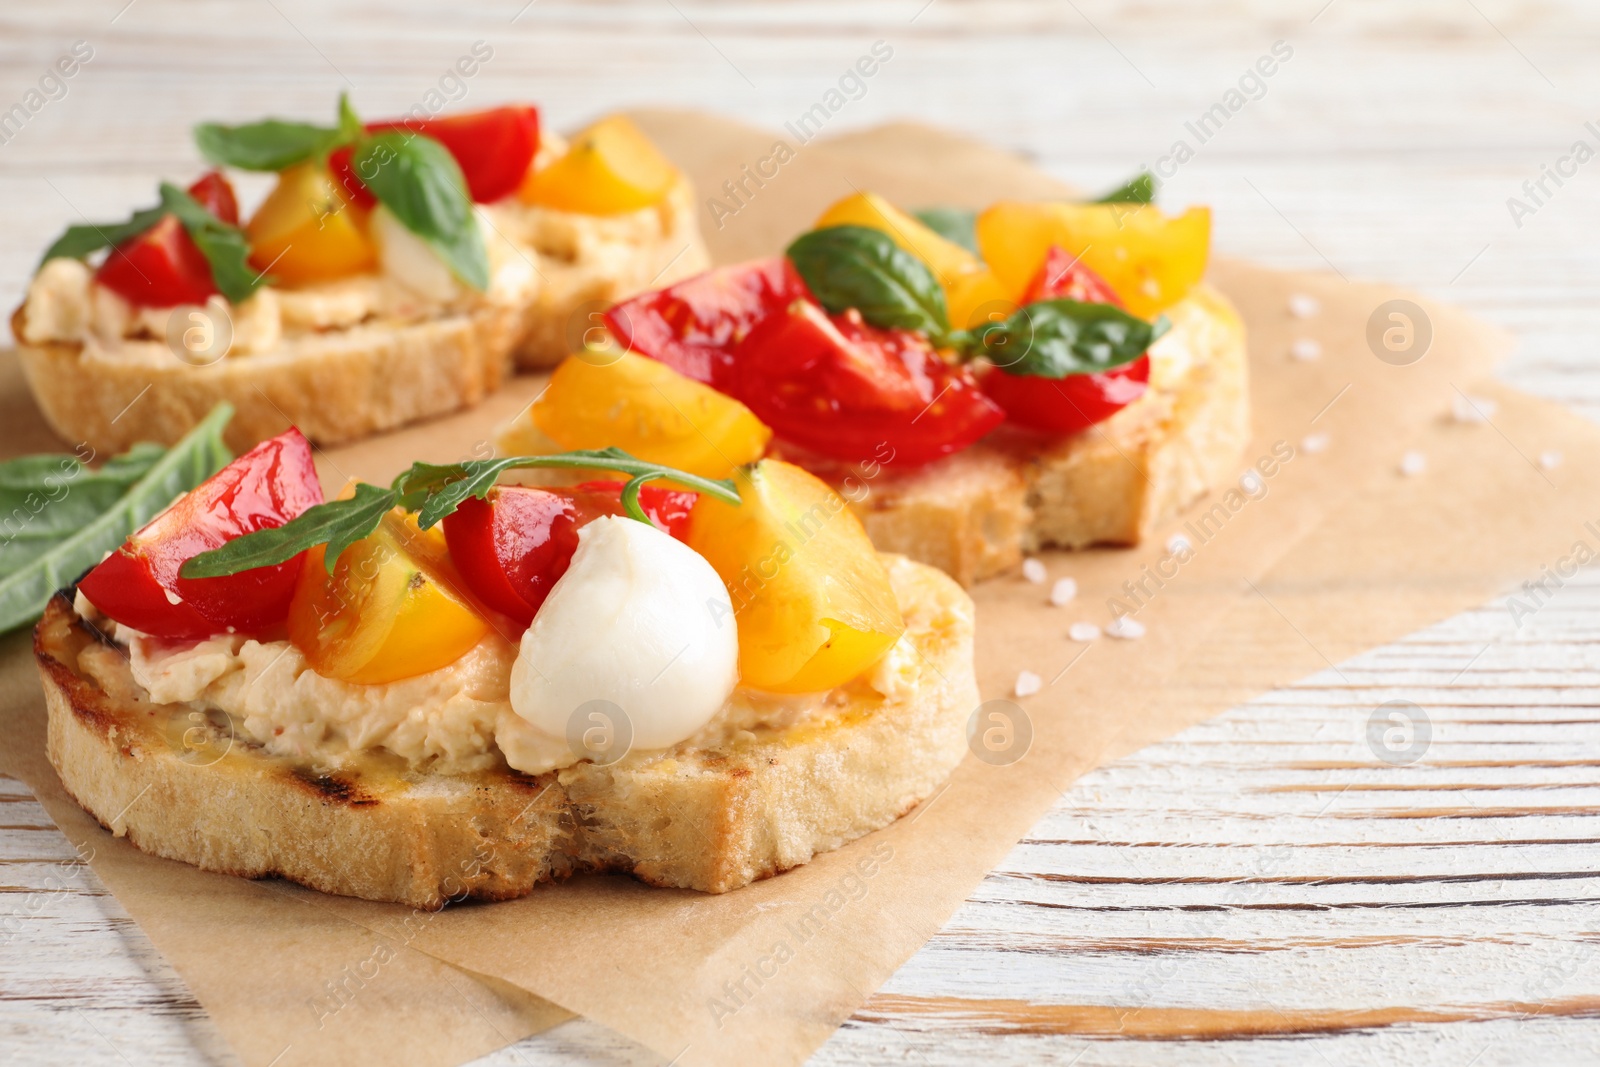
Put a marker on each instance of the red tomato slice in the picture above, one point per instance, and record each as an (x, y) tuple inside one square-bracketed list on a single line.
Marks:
[(494, 149), (513, 545), (1078, 401), (161, 267), (344, 172), (694, 326), (1062, 276), (1070, 404), (215, 194), (850, 391), (138, 584)]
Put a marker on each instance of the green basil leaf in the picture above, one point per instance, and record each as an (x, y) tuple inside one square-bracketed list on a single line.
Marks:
[(269, 145), (46, 499), (85, 239), (419, 180), (337, 524), (1140, 189), (859, 267), (956, 224), (350, 127), (200, 454), (225, 247), (1055, 338)]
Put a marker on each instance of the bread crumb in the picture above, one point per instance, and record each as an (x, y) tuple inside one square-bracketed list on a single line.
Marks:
[(1125, 627), (1304, 305), (1306, 349), (1028, 684), (1314, 443), (1083, 631), (1063, 591), (1034, 571), (1413, 463)]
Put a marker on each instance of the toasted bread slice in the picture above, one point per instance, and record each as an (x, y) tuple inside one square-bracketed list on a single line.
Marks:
[(587, 264), (179, 785), (335, 387), (342, 384), (976, 513)]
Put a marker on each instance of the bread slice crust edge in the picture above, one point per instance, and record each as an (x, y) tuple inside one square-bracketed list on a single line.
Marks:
[(710, 820)]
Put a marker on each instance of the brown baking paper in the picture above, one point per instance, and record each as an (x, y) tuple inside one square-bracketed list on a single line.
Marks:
[(766, 973)]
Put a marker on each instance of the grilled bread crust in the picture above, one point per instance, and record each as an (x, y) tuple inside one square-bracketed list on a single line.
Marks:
[(179, 785), (976, 513)]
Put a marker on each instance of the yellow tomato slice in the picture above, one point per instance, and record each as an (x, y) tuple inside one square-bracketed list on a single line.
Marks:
[(390, 610), (945, 258), (811, 597), (609, 169), (972, 292), (598, 398), (1150, 259), (307, 230)]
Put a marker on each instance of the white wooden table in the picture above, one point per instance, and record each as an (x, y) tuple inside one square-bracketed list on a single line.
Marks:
[(1260, 889)]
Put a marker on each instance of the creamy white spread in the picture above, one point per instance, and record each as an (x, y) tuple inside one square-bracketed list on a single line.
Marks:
[(454, 720)]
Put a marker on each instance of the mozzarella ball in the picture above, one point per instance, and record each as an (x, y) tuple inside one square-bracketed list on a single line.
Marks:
[(639, 620)]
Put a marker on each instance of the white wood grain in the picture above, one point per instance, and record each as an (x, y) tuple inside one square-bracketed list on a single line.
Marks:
[(1261, 872)]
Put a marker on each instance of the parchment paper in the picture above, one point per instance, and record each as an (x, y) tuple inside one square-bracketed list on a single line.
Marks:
[(1336, 541)]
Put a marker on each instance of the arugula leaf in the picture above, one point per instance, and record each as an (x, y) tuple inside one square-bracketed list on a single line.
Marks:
[(955, 224), (44, 499), (337, 524), (444, 488), (82, 240), (1140, 189), (1055, 338), (25, 591), (419, 180), (433, 490), (860, 267), (225, 247)]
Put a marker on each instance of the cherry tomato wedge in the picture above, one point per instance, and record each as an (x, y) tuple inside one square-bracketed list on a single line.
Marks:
[(138, 584), (163, 267), (1078, 401), (344, 172), (511, 546), (215, 194), (1070, 404), (494, 149), (694, 326), (1063, 276), (844, 389)]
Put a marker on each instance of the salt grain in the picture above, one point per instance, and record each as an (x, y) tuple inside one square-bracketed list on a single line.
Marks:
[(1034, 571), (1304, 305), (1314, 444), (1306, 349), (1125, 627), (1028, 684), (1413, 463), (1083, 631), (1063, 591), (1473, 408), (1550, 460)]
